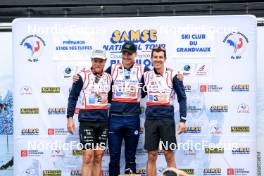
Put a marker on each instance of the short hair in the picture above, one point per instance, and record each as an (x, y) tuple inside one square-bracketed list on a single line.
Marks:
[(158, 49), (170, 173)]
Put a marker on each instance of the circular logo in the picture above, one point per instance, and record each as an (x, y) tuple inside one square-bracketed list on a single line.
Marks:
[(187, 68), (68, 70), (33, 45)]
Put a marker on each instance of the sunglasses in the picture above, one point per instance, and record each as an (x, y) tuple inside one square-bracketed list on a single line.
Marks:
[(159, 48)]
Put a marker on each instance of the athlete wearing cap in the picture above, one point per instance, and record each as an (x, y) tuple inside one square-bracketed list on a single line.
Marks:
[(89, 94), (124, 122)]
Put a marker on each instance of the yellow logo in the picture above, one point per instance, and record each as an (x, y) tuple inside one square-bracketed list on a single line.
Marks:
[(50, 90), (134, 36), (29, 111)]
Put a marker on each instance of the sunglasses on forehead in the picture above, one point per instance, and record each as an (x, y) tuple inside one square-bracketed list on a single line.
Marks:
[(159, 48)]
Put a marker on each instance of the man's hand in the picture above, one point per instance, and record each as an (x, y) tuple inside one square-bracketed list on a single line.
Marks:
[(181, 128), (180, 76), (70, 125), (75, 78)]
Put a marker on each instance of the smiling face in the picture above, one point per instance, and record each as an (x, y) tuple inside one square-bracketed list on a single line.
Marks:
[(98, 65), (158, 59), (128, 59)]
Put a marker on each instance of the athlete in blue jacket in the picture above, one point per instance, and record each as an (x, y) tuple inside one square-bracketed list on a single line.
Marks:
[(124, 122)]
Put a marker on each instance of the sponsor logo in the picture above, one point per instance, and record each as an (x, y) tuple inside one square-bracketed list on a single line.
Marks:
[(34, 45), (51, 173), (76, 152), (237, 172), (29, 111), (237, 42), (188, 171), (57, 131), (210, 88), (219, 108), (202, 69), (57, 153), (187, 88), (30, 131), (240, 88), (50, 90), (189, 152), (193, 130), (28, 153), (212, 171), (145, 40), (134, 36), (240, 129), (193, 109), (67, 72), (57, 111), (187, 69), (26, 90), (75, 173), (216, 130), (243, 108), (214, 150), (73, 45), (241, 150)]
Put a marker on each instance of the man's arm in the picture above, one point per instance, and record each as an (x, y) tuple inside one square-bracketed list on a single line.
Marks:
[(181, 96), (142, 83), (143, 88), (108, 70), (73, 97), (146, 68)]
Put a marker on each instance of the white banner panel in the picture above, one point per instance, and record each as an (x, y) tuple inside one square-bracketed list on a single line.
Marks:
[(217, 55), (260, 101)]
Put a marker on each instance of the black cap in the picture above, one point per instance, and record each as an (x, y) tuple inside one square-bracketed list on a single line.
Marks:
[(129, 47)]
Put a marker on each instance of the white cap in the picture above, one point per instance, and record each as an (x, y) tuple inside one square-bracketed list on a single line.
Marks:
[(100, 54)]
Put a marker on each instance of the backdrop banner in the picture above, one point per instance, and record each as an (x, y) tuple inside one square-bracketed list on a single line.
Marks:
[(216, 54)]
